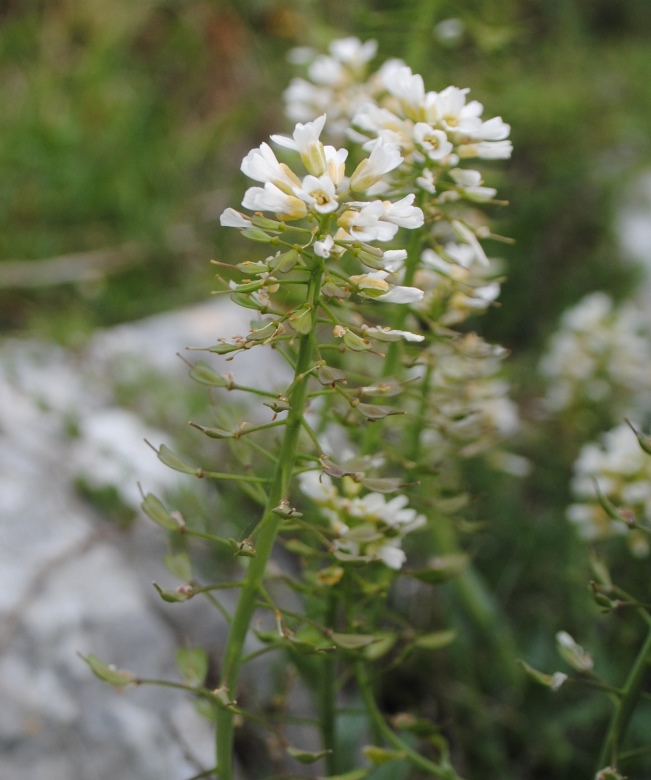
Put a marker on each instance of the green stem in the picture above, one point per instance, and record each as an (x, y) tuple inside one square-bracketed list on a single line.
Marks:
[(328, 694), (421, 38), (268, 529), (380, 724), (631, 694)]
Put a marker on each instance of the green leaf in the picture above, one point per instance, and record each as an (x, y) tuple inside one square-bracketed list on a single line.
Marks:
[(301, 320), (284, 262), (379, 755), (353, 641), (255, 234), (384, 642), (192, 662), (267, 331), (249, 267), (224, 348), (373, 412), (154, 509), (310, 642), (109, 674), (382, 484), (203, 373), (553, 681), (436, 640), (174, 596), (642, 440), (166, 456), (213, 433), (330, 376), (305, 756)]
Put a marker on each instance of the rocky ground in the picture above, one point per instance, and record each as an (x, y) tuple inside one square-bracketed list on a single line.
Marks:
[(72, 582)]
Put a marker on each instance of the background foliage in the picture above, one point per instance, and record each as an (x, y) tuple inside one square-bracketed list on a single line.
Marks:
[(123, 127)]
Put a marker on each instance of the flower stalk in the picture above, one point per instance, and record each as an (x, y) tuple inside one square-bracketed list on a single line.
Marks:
[(266, 536)]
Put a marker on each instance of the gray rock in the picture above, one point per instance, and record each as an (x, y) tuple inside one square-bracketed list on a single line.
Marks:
[(71, 583)]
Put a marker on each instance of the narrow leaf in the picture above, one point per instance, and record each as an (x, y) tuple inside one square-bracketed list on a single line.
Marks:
[(436, 640), (203, 373), (379, 755), (154, 509), (353, 641), (109, 674), (166, 456), (305, 756)]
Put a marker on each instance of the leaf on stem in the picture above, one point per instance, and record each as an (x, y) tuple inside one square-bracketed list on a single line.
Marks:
[(553, 681), (436, 640), (154, 509), (353, 641), (119, 678), (330, 376), (305, 756), (183, 593), (201, 372), (373, 412), (166, 456), (379, 755)]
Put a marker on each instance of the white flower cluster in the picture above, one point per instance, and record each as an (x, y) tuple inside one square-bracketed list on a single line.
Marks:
[(621, 471), (326, 190), (472, 408), (435, 133), (368, 527), (601, 355)]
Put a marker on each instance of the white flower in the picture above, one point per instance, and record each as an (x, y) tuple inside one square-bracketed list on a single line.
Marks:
[(324, 248), (271, 198), (394, 259), (335, 164), (389, 553), (375, 280), (318, 487), (365, 222), (465, 234), (388, 334), (426, 181), (319, 193), (433, 142), (449, 109), (261, 165), (305, 141), (407, 87), (232, 218), (494, 130), (352, 51), (487, 150), (469, 184), (403, 213), (384, 157), (400, 294)]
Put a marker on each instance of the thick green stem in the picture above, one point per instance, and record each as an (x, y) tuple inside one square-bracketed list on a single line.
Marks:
[(266, 536), (631, 695)]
